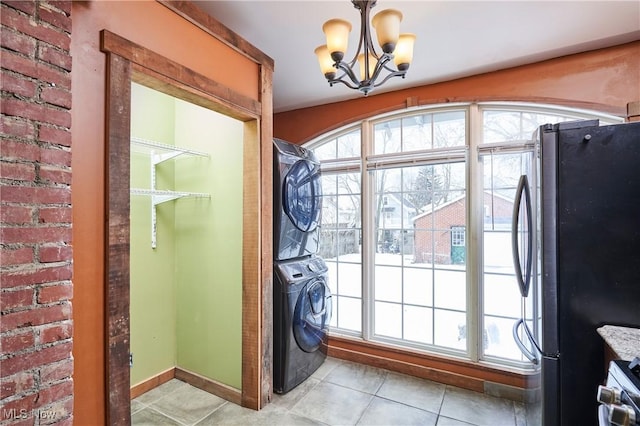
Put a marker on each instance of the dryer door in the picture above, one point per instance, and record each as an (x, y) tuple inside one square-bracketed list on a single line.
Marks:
[(302, 195), (312, 315)]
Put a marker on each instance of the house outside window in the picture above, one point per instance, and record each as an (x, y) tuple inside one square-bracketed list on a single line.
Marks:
[(400, 209)]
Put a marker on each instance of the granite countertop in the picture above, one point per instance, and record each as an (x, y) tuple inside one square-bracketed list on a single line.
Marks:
[(624, 341)]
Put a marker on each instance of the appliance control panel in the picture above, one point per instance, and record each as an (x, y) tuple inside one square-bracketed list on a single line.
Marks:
[(620, 397)]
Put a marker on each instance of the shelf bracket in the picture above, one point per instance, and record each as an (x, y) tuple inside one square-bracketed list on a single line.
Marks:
[(159, 153)]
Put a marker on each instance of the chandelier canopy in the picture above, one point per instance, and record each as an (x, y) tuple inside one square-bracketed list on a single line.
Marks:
[(394, 46)]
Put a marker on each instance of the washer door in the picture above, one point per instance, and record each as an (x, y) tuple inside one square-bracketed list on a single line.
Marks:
[(302, 195), (312, 315)]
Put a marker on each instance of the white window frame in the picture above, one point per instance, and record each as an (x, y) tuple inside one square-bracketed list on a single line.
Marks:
[(469, 154)]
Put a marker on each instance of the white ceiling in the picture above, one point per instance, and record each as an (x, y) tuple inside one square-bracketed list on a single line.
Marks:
[(454, 38)]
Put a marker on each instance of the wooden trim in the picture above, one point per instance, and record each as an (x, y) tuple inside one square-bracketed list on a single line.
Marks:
[(167, 76), (266, 262), (177, 89), (153, 382), (251, 288), (219, 389), (117, 172), (110, 42), (456, 372), (205, 22)]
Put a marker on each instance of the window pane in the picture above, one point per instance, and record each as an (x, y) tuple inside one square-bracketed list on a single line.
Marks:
[(449, 129), (418, 286), (326, 151), (417, 211), (387, 137), (349, 279), (500, 292), (388, 283), (417, 133), (388, 320), (450, 289), (450, 329), (418, 324), (498, 339), (349, 145), (349, 313)]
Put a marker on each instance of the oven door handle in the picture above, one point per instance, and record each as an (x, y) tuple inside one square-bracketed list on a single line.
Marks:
[(525, 351)]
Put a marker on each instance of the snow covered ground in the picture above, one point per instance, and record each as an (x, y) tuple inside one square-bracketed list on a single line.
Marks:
[(430, 307)]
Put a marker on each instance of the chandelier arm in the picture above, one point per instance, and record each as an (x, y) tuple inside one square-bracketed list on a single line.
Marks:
[(348, 71), (388, 76), (380, 65), (340, 80)]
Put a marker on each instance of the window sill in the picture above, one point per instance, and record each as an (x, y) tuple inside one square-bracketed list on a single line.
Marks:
[(480, 377)]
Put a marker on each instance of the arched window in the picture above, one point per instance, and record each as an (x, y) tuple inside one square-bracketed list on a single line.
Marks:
[(416, 220)]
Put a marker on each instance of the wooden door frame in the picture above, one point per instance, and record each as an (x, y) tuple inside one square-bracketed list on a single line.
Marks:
[(127, 62)]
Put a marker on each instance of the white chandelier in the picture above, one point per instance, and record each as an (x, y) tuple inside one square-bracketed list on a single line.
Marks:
[(395, 46)]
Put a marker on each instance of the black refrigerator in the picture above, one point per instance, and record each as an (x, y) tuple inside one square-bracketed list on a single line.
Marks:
[(585, 242)]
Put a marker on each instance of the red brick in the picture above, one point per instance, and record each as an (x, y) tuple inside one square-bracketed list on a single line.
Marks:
[(18, 383), (55, 215), (36, 276), (55, 293), (13, 150), (55, 392), (55, 96), (37, 316), (59, 412), (17, 171), (63, 5), (55, 136), (38, 234), (27, 25), (55, 156), (54, 17), (55, 254), (40, 70), (18, 85), (28, 7), (16, 127), (16, 215), (15, 343), (15, 256), (16, 299), (20, 64), (56, 371), (18, 42), (37, 112), (18, 412), (55, 333), (54, 174), (55, 57), (36, 195)]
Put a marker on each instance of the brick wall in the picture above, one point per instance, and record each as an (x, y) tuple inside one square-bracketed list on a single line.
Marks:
[(36, 365)]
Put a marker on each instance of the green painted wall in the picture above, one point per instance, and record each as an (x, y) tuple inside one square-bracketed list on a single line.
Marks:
[(195, 273), (152, 288), (209, 246)]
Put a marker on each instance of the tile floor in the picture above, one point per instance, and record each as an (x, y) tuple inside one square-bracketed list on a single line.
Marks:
[(339, 393)]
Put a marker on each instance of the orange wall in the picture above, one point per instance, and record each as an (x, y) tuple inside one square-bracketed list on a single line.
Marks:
[(155, 27), (604, 80)]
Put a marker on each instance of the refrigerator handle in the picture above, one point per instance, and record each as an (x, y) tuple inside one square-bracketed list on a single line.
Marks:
[(524, 281), (525, 351)]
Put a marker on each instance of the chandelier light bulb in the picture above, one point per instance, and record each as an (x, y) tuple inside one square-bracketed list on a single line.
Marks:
[(403, 55), (337, 33), (387, 25)]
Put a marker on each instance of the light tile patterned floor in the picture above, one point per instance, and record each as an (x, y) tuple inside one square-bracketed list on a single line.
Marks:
[(339, 393)]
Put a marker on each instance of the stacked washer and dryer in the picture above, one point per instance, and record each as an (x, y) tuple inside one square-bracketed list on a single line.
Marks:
[(301, 296)]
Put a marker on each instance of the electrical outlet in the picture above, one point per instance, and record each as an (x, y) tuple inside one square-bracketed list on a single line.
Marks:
[(130, 360)]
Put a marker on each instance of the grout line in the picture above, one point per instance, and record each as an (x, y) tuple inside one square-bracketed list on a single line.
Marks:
[(211, 412)]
